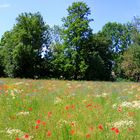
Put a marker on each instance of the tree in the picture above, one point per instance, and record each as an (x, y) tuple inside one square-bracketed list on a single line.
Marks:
[(121, 38), (77, 33), (1, 62), (131, 62), (99, 58), (23, 46), (134, 28), (119, 34), (53, 54), (134, 33), (8, 42)]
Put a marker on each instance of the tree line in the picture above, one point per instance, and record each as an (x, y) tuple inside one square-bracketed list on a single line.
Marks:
[(33, 49)]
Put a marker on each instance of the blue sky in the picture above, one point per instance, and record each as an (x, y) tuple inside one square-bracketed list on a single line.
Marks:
[(103, 11)]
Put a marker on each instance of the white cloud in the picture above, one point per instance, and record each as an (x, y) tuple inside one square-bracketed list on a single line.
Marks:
[(4, 5)]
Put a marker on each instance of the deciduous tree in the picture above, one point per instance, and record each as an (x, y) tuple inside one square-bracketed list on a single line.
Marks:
[(77, 33)]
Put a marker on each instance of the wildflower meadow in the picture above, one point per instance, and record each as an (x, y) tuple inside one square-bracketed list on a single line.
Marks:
[(69, 110)]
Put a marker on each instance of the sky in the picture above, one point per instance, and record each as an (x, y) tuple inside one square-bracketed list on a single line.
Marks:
[(102, 11)]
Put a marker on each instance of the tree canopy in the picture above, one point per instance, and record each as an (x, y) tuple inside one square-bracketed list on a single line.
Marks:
[(33, 49), (22, 46)]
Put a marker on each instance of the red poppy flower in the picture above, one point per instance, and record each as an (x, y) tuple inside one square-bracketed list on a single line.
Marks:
[(89, 105), (38, 121), (36, 127), (49, 133), (43, 123), (117, 131), (26, 136), (91, 128), (88, 135), (30, 109), (49, 114), (100, 127), (67, 107), (113, 128), (72, 132), (17, 138), (72, 106)]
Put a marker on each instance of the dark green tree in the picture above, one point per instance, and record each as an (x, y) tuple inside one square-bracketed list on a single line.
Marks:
[(99, 58), (1, 62), (23, 46)]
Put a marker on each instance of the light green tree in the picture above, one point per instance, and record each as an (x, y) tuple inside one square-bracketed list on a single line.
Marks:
[(77, 33)]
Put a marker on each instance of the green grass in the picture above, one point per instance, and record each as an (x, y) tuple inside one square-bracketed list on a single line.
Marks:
[(69, 110)]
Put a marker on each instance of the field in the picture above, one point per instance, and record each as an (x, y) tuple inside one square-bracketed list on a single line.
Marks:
[(69, 110)]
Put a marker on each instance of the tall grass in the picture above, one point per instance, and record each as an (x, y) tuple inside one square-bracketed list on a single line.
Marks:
[(69, 110)]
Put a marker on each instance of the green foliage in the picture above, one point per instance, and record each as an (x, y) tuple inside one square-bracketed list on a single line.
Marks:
[(23, 57), (31, 30), (76, 36), (33, 49), (99, 58), (121, 38), (22, 46), (119, 34), (57, 62), (8, 43), (1, 62), (131, 62)]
